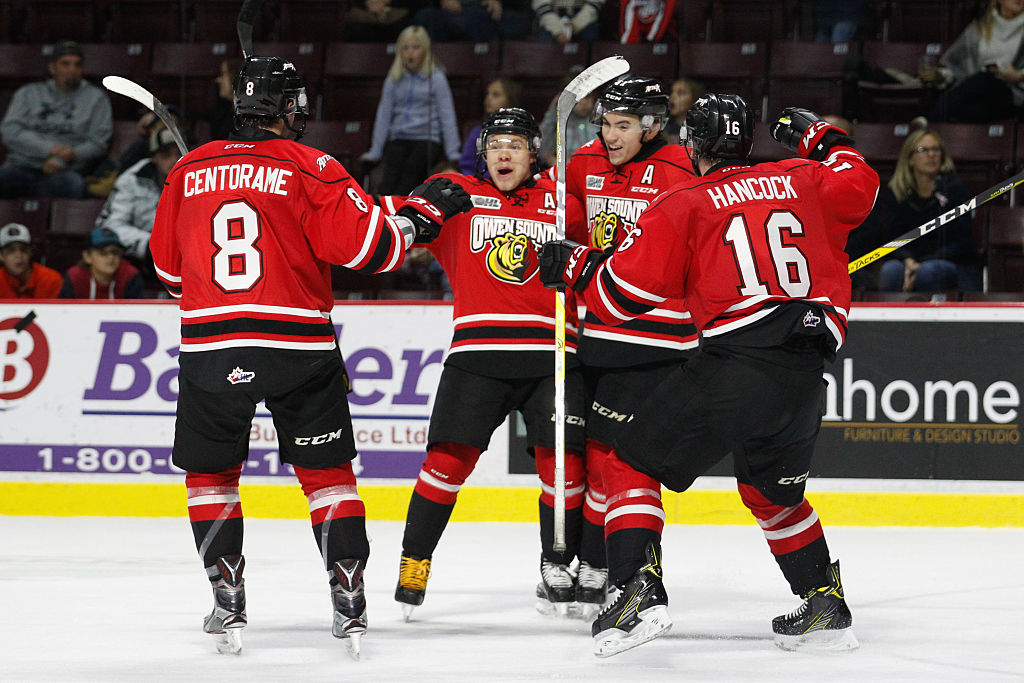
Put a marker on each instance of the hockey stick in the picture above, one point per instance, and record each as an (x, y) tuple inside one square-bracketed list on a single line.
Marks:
[(586, 82), (123, 86), (937, 222), (246, 17)]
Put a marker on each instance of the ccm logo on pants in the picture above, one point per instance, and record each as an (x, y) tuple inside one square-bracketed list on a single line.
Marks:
[(317, 440), (794, 480)]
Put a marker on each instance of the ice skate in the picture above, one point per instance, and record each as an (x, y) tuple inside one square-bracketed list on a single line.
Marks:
[(348, 596), (412, 582), (227, 619), (638, 614), (556, 591), (822, 623), (591, 590)]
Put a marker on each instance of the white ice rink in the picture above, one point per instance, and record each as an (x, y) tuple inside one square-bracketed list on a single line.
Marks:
[(100, 599)]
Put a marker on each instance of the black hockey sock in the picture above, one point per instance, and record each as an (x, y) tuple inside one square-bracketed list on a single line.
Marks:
[(592, 549), (806, 568), (573, 522), (217, 538), (342, 538), (424, 524), (626, 553)]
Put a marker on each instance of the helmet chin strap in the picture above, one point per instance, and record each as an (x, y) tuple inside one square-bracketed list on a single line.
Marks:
[(298, 132)]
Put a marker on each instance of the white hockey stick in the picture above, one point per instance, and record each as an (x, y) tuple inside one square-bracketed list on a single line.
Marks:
[(123, 86), (585, 83), (938, 221)]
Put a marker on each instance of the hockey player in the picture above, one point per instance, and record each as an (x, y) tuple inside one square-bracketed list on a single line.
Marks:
[(244, 235), (500, 358), (613, 179), (757, 251)]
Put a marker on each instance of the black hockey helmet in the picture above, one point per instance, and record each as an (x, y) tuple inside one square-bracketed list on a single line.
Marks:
[(510, 120), (270, 87), (719, 127), (641, 96)]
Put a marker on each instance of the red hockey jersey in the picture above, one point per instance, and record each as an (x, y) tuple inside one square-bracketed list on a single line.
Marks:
[(501, 306), (245, 233), (740, 244), (612, 199)]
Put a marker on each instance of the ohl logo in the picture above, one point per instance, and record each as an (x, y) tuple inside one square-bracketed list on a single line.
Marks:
[(511, 259), (24, 357), (606, 226)]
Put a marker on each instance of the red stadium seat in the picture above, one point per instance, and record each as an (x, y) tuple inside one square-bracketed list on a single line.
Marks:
[(469, 67), (658, 60), (541, 68), (808, 75), (184, 73), (48, 21), (32, 213), (1006, 248), (732, 68), (353, 77), (70, 221), (145, 21), (310, 20)]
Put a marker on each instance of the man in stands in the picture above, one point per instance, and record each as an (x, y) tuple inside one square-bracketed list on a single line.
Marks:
[(20, 277)]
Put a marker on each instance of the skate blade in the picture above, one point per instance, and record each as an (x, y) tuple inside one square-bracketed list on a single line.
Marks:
[(827, 641), (352, 642), (553, 609), (654, 622), (229, 642), (587, 611), (407, 612)]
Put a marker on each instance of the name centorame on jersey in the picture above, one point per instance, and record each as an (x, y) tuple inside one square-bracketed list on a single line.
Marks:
[(267, 179), (626, 208), (485, 228)]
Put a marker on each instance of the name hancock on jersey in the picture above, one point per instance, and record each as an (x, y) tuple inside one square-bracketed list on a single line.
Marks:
[(483, 229), (267, 179)]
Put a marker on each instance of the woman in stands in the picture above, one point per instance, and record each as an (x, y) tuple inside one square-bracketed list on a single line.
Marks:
[(415, 116), (923, 186), (986, 68)]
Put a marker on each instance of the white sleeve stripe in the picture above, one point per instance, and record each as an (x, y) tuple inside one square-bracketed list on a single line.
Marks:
[(609, 305), (371, 234), (632, 289), (164, 275)]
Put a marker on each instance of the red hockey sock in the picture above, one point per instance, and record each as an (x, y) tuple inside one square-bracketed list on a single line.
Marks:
[(445, 471), (331, 493), (785, 528), (544, 459), (634, 499), (215, 513)]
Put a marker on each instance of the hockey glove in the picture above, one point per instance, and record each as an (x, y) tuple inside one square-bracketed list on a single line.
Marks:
[(802, 131), (431, 204), (564, 262)]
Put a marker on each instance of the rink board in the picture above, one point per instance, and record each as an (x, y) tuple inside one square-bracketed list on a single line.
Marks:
[(924, 401)]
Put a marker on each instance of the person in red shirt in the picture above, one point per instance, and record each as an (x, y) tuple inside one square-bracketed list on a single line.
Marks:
[(757, 252), (501, 358), (613, 180), (20, 277), (103, 272), (245, 232)]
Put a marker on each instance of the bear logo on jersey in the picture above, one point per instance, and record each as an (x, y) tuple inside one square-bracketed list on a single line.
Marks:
[(511, 259), (606, 225)]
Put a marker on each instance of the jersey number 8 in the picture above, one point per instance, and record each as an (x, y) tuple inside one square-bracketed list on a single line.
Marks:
[(237, 263)]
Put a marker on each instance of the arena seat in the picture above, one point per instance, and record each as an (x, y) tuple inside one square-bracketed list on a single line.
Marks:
[(738, 68), (184, 73), (70, 221), (808, 75), (48, 21), (983, 152), (353, 77), (918, 20), (751, 20), (880, 143), (541, 68), (469, 67), (213, 21), (310, 20), (33, 213), (145, 21), (658, 60), (131, 60), (1006, 248)]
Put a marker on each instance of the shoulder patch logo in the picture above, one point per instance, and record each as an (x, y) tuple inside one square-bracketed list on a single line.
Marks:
[(483, 202), (321, 163), (595, 182), (240, 376)]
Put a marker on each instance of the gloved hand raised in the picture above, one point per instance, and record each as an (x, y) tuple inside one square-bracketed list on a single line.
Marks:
[(564, 262), (802, 131), (431, 204)]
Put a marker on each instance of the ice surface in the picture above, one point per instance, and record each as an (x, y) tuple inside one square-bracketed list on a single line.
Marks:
[(109, 599)]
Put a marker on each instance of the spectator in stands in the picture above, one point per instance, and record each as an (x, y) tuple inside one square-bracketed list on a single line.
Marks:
[(479, 21), (148, 124), (923, 186), (20, 278), (131, 207), (377, 21), (55, 131), (564, 21), (501, 92), (684, 92), (578, 128), (102, 273), (647, 21), (218, 122), (839, 21), (985, 68), (416, 113)]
